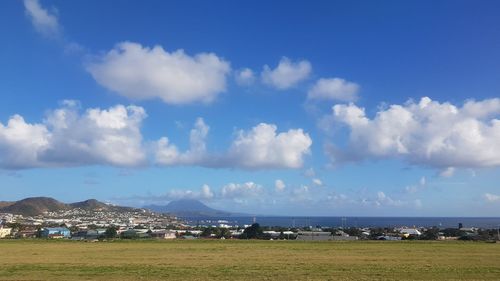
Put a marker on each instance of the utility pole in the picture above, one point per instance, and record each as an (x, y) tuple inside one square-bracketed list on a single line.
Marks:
[(498, 232)]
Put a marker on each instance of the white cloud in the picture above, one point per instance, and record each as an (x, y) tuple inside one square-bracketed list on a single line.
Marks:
[(204, 194), (491, 197), (139, 73), (168, 154), (427, 133), (384, 200), (21, 142), (317, 182), (258, 148), (44, 21), (241, 190), (334, 89), (68, 138), (262, 147), (287, 74), (279, 185), (448, 172), (415, 188), (165, 152), (245, 77), (99, 136)]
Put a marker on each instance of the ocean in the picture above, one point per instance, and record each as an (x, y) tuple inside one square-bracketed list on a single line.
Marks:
[(441, 222)]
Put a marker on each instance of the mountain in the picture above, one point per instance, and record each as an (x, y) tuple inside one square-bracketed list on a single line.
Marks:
[(188, 208), (34, 206), (38, 205), (94, 205), (5, 204)]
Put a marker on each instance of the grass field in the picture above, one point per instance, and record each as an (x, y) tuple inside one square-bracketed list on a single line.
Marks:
[(248, 260)]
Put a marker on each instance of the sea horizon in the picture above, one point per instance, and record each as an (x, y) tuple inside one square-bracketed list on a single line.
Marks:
[(350, 221)]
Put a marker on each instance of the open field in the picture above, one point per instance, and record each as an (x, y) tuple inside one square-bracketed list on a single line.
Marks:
[(248, 260)]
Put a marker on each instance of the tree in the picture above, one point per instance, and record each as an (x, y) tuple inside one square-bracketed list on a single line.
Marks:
[(252, 232), (73, 228), (110, 232), (430, 234), (353, 231), (224, 232), (207, 232), (453, 232)]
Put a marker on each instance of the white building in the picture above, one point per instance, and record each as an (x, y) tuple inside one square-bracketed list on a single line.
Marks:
[(5, 231), (410, 231)]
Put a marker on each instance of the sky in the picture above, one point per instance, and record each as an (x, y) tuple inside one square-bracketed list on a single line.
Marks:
[(323, 108)]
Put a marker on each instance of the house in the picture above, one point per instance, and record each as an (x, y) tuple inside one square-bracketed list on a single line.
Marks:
[(95, 233), (5, 231), (135, 233), (55, 232), (272, 233), (27, 233), (407, 232), (164, 234), (468, 229)]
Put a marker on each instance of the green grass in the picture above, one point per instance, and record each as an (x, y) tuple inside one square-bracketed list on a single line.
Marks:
[(248, 260)]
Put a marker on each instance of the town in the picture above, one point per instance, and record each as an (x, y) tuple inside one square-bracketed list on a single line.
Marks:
[(101, 225)]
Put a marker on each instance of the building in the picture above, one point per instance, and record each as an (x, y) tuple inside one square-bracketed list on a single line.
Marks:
[(344, 238), (27, 233), (5, 231), (95, 233), (164, 234), (135, 233), (55, 232), (407, 232), (314, 236)]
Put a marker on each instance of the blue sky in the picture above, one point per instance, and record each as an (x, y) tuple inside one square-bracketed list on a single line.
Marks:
[(289, 108)]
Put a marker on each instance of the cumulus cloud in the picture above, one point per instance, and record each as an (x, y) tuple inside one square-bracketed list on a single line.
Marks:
[(67, 137), (279, 185), (491, 197), (287, 74), (245, 77), (168, 154), (21, 142), (139, 72), (334, 89), (263, 147), (241, 190), (44, 21), (428, 133)]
